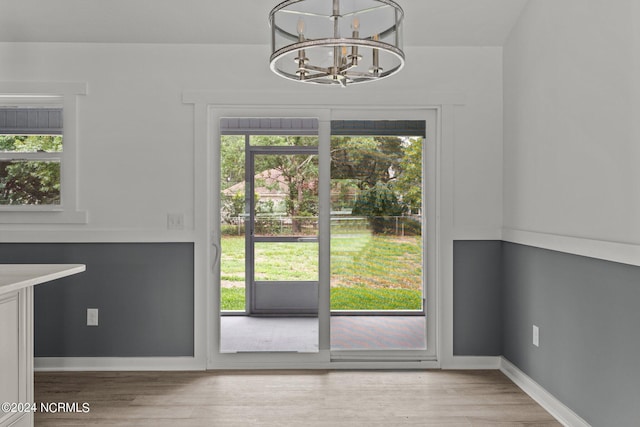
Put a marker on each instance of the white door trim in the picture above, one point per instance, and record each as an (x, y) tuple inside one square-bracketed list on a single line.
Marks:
[(209, 108)]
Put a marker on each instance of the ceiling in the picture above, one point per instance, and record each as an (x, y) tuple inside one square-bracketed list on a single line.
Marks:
[(427, 22)]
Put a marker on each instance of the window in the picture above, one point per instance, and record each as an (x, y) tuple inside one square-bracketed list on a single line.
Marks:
[(38, 153), (31, 148)]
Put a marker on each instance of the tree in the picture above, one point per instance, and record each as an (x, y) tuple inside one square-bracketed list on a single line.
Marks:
[(376, 203), (368, 160), (387, 172), (409, 180), (299, 171), (30, 182), (231, 160), (233, 206)]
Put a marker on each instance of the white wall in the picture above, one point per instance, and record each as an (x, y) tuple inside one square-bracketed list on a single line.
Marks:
[(572, 124), (136, 136)]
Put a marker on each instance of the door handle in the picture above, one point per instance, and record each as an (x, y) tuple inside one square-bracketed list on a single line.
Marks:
[(216, 256)]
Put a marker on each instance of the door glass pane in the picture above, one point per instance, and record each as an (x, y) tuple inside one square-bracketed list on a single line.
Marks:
[(376, 223), (232, 215), (286, 261)]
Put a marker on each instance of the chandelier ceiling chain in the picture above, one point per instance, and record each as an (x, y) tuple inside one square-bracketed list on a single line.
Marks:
[(307, 42)]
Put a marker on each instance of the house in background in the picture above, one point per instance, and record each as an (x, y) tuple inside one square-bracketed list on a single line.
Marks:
[(538, 183), (272, 190)]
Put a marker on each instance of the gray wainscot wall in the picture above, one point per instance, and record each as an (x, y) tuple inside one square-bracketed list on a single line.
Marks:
[(587, 311), (144, 293)]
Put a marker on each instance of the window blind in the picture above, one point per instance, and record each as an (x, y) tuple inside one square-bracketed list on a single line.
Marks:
[(378, 128), (269, 126), (30, 121)]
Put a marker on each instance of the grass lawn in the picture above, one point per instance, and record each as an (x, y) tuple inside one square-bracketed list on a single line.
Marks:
[(273, 261), (372, 261), (343, 298), (367, 272), (232, 298)]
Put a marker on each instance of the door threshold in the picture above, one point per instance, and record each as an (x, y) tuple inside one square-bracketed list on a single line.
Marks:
[(377, 313)]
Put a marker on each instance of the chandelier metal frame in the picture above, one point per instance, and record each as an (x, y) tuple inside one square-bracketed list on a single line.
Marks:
[(345, 52)]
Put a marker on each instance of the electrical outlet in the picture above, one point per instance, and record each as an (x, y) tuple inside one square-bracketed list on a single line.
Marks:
[(175, 221), (92, 317), (536, 336)]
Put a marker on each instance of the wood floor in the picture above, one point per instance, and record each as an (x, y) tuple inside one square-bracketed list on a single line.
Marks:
[(289, 398)]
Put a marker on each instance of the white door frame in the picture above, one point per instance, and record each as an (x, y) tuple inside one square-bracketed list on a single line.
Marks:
[(209, 108)]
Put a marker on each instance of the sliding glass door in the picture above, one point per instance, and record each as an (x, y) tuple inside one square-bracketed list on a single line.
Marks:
[(323, 238), (377, 246)]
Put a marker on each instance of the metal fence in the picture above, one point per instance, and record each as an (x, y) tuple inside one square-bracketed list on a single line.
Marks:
[(288, 225)]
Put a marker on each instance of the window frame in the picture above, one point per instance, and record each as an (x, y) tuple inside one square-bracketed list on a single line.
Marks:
[(65, 95)]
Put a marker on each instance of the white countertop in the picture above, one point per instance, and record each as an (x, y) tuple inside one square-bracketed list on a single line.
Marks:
[(18, 276)]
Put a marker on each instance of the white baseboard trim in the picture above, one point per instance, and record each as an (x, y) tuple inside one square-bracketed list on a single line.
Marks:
[(43, 364), (75, 364), (625, 253), (549, 402), (472, 362), (61, 364)]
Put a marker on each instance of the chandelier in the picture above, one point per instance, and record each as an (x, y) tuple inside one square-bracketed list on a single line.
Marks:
[(337, 42)]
